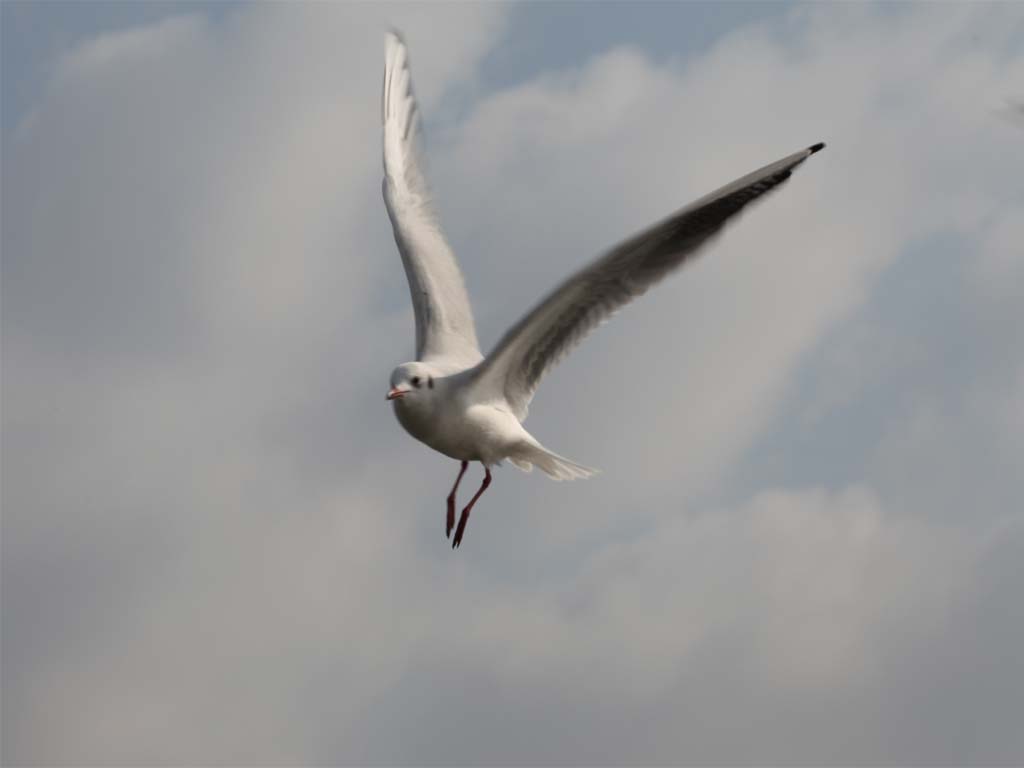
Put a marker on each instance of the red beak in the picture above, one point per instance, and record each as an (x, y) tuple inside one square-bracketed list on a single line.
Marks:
[(395, 393)]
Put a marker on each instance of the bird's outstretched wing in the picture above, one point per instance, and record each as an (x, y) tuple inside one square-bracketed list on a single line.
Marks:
[(444, 320), (589, 297)]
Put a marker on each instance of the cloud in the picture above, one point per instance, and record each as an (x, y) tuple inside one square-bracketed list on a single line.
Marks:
[(219, 547), (126, 48), (716, 636)]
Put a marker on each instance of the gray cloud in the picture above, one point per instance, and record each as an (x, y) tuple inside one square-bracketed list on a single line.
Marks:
[(219, 548)]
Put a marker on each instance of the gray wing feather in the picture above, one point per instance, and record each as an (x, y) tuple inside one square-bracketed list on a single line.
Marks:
[(545, 335), (444, 319)]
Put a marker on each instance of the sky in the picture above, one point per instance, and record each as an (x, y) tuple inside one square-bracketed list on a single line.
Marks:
[(806, 543)]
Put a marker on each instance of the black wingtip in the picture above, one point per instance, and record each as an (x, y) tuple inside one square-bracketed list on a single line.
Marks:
[(817, 147)]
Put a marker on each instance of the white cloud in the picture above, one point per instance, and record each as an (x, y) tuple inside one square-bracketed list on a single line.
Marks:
[(218, 546), (125, 49)]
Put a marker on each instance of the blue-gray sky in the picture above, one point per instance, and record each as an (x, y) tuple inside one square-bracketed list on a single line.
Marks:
[(807, 541)]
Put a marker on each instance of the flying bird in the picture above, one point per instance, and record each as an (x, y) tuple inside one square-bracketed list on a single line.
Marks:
[(470, 407)]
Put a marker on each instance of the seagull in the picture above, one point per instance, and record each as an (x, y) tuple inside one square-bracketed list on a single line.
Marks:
[(470, 407)]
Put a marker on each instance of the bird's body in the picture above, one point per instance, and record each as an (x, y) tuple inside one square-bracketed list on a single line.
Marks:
[(471, 407), (446, 419), (464, 430), (448, 416)]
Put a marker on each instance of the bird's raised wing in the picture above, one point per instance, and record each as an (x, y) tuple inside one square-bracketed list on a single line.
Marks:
[(444, 320), (544, 336)]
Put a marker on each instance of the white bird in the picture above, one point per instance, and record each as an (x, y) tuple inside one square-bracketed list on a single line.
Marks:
[(471, 407)]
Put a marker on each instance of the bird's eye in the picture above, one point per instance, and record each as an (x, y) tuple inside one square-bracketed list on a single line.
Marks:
[(415, 381)]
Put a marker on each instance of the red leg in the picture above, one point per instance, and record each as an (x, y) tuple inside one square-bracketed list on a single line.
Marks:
[(465, 513), (450, 523)]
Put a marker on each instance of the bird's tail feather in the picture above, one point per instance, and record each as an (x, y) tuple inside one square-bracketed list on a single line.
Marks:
[(551, 464)]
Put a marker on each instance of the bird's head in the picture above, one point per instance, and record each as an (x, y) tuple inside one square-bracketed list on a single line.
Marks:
[(411, 381)]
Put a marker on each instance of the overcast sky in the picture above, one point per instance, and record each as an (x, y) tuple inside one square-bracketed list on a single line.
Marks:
[(806, 544)]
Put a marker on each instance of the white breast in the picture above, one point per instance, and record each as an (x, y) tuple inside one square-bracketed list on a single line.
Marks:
[(475, 433)]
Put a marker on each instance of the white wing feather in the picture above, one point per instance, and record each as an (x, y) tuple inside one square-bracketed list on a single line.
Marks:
[(444, 319), (545, 335)]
